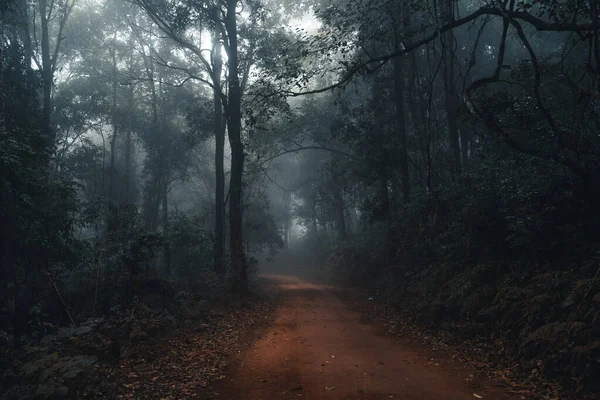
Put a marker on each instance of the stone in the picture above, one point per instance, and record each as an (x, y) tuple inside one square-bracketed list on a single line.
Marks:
[(45, 391), (62, 391), (46, 340), (85, 360), (30, 368), (72, 373), (45, 374), (82, 330), (64, 333)]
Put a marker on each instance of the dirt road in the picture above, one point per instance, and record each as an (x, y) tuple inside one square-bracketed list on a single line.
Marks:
[(317, 348)]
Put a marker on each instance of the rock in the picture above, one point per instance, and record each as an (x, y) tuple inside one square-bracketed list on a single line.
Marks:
[(66, 363), (82, 330), (570, 301), (46, 374), (51, 357), (85, 360), (45, 391), (32, 349), (46, 340), (49, 391), (72, 373), (30, 368), (66, 332), (62, 391)]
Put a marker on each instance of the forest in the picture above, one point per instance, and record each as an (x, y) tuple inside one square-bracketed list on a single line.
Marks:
[(176, 175)]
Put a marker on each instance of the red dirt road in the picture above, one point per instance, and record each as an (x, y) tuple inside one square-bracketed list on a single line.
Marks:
[(318, 348)]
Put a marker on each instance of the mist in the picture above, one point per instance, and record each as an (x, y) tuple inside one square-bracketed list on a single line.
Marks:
[(368, 179)]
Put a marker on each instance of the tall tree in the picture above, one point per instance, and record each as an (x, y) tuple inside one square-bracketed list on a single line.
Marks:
[(53, 11), (219, 133), (451, 99), (234, 129)]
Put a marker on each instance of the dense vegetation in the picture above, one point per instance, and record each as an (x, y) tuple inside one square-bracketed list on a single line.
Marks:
[(443, 155)]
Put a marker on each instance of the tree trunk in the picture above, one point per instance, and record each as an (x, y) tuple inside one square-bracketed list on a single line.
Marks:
[(451, 101), (127, 197), (153, 191), (165, 224), (401, 126), (313, 215), (384, 196), (27, 45), (287, 223), (465, 136), (113, 140), (465, 140), (234, 117), (340, 207), (219, 131), (47, 75)]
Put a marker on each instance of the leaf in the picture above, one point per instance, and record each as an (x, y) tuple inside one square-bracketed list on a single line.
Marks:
[(329, 388), (478, 396)]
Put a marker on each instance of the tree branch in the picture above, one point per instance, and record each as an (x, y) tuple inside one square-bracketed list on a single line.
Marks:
[(343, 153), (537, 23)]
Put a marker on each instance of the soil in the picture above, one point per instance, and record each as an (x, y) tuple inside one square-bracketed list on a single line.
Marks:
[(317, 347)]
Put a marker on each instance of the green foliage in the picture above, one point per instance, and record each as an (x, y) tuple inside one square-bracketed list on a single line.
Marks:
[(191, 245), (37, 204), (355, 262), (261, 232), (128, 249)]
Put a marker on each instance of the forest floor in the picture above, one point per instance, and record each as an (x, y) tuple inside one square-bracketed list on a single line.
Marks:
[(293, 339), (318, 347), (154, 348)]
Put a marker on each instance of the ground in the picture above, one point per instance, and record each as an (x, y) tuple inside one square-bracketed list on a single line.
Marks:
[(318, 348), (292, 339)]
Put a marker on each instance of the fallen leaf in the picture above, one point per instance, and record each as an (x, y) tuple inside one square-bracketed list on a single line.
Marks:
[(329, 388), (478, 396)]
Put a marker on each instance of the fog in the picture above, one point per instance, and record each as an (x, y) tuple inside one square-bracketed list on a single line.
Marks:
[(438, 157)]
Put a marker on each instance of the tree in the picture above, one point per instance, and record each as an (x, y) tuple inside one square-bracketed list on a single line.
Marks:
[(50, 54), (234, 125), (219, 133)]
